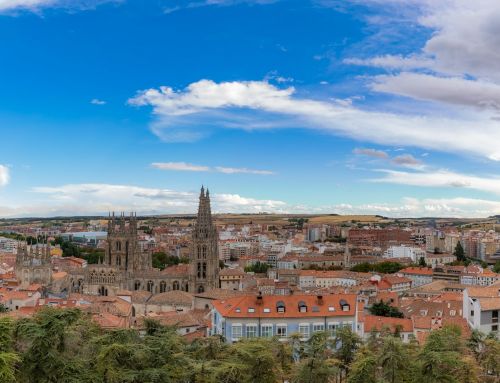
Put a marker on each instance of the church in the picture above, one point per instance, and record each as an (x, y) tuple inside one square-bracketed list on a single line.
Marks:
[(127, 267)]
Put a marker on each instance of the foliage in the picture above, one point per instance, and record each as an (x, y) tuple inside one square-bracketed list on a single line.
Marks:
[(459, 252), (496, 268), (382, 267), (385, 310), (257, 267), (162, 260), (57, 345), (421, 262)]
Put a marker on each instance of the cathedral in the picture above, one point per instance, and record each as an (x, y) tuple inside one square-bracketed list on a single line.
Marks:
[(127, 267), (33, 265)]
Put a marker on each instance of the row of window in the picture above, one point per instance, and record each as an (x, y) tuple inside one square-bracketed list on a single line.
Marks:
[(267, 330)]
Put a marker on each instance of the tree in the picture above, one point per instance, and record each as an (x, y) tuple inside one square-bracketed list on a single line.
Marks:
[(393, 359), (496, 268), (444, 358), (8, 358), (318, 366), (385, 310), (489, 357), (258, 267), (347, 343), (364, 367), (421, 262), (459, 253)]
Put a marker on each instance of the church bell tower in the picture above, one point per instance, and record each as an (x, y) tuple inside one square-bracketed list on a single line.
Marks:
[(204, 262)]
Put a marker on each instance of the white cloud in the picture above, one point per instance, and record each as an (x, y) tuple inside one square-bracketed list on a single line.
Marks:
[(188, 114), (99, 199), (185, 4), (96, 101), (371, 152), (441, 178), (74, 199), (393, 62), (452, 90), (26, 4), (4, 175), (225, 170), (460, 54), (408, 160), (37, 5), (181, 166)]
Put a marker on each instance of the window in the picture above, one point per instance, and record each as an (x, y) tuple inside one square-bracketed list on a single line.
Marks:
[(251, 330), (266, 310), (472, 313), (302, 307), (332, 328), (347, 324), (163, 286), (281, 330), (267, 330), (317, 327), (304, 330), (280, 307), (494, 327), (236, 331)]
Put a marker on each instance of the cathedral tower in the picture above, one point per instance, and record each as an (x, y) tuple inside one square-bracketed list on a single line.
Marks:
[(122, 250), (204, 263)]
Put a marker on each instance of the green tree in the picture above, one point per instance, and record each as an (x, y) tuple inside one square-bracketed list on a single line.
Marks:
[(364, 367), (393, 359), (347, 342), (459, 253), (421, 262), (8, 358), (496, 268), (318, 366), (385, 310), (258, 267)]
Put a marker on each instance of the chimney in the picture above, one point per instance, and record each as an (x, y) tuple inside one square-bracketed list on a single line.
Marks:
[(320, 299), (259, 298)]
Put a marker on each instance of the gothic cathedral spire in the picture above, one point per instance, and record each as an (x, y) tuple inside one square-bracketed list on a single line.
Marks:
[(204, 265)]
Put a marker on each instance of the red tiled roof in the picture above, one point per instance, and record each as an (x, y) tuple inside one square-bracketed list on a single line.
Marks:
[(373, 322), (416, 271), (328, 306)]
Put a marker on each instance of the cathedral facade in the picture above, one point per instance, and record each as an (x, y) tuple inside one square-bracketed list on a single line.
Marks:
[(33, 265), (127, 267)]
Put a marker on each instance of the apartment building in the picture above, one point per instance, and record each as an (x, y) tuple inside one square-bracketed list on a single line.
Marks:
[(282, 316)]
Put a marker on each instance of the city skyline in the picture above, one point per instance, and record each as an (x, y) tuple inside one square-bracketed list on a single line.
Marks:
[(312, 106)]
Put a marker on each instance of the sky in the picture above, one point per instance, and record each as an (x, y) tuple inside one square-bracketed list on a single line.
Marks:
[(386, 107)]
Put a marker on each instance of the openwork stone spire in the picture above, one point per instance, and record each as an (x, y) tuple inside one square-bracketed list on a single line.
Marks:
[(204, 268)]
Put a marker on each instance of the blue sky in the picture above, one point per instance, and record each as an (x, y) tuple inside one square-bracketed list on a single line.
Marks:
[(354, 107)]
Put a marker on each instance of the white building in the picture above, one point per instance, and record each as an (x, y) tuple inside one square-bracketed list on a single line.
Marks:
[(415, 253)]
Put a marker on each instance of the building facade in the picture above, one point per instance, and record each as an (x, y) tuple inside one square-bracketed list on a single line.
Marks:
[(274, 315), (128, 266), (33, 265)]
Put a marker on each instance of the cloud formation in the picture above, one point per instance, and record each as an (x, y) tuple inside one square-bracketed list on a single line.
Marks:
[(441, 178), (187, 115), (73, 199), (180, 166), (37, 5), (99, 199), (96, 101), (371, 152), (459, 57), (4, 175), (183, 166)]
